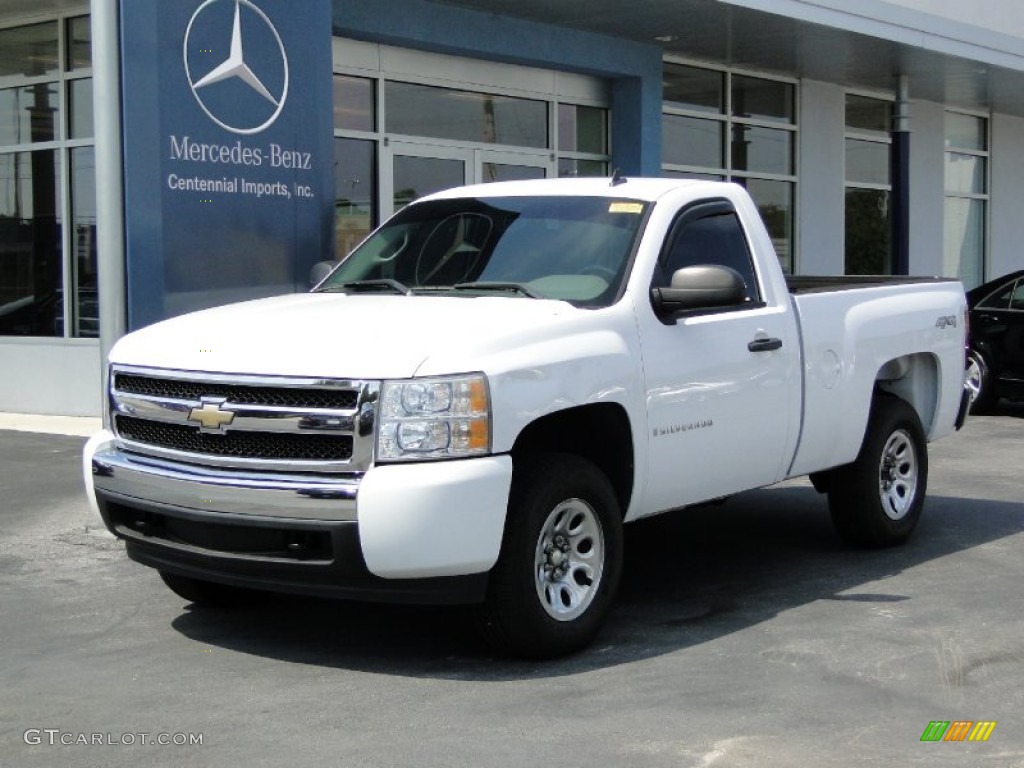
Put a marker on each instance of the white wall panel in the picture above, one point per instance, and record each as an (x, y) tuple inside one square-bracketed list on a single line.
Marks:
[(927, 186), (54, 377), (821, 207), (1006, 249)]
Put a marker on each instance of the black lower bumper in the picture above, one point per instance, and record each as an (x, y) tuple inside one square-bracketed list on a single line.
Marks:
[(309, 557)]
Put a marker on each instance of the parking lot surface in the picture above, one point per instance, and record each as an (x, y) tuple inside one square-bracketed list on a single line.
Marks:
[(744, 635)]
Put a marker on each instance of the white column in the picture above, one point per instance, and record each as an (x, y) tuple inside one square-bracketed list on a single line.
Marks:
[(106, 69)]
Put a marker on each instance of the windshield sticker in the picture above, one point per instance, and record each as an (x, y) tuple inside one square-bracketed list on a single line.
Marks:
[(626, 208)]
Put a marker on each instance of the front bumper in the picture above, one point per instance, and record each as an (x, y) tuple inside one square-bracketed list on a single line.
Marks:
[(415, 532)]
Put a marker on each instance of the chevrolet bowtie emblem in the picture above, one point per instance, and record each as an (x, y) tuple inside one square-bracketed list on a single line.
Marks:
[(210, 415)]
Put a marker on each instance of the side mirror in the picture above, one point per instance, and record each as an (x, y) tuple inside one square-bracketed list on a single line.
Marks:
[(320, 271), (705, 286)]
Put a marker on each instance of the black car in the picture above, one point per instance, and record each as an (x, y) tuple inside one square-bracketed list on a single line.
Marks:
[(995, 361)]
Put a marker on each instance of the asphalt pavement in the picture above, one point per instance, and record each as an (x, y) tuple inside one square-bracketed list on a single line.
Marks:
[(744, 635)]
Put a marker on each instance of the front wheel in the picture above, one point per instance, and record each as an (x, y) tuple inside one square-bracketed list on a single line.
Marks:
[(979, 383), (876, 501), (560, 560)]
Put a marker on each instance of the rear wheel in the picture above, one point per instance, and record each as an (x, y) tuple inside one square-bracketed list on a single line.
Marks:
[(210, 594), (876, 501), (560, 561)]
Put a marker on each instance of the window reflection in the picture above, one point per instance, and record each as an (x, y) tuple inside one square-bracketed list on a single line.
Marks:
[(29, 51), (29, 114), (31, 258), (355, 193), (445, 113), (867, 232), (85, 311), (80, 108)]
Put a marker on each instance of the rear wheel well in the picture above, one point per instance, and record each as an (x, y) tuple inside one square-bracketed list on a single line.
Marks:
[(914, 379), (599, 432)]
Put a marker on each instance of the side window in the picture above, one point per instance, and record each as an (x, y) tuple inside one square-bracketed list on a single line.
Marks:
[(1001, 298), (717, 239), (1017, 301)]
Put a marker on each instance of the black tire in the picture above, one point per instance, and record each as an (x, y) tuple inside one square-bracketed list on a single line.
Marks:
[(876, 501), (979, 381), (209, 594), (563, 528)]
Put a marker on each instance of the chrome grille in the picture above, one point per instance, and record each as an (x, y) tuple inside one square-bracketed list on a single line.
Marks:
[(248, 422), (337, 399), (247, 445)]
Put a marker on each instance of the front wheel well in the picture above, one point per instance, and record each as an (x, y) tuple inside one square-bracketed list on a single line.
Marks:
[(598, 432)]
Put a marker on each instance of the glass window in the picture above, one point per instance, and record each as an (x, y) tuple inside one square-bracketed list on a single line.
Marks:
[(774, 200), (964, 239), (965, 173), (692, 141), (762, 99), (30, 51), (355, 193), (741, 146), (867, 162), (1001, 299), (765, 150), (966, 160), (571, 248), (29, 114), (670, 174), (568, 167), (85, 314), (582, 129), (867, 232), (508, 172), (354, 103), (80, 108), (693, 88), (31, 253), (966, 132), (868, 116), (445, 113), (717, 239), (79, 43), (415, 177)]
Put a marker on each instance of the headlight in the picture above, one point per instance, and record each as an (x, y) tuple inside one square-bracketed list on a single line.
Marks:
[(440, 418)]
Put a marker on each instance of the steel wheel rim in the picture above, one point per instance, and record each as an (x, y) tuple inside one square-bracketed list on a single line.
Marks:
[(973, 378), (569, 560), (898, 475)]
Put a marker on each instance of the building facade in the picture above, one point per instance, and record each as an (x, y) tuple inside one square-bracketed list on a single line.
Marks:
[(877, 137)]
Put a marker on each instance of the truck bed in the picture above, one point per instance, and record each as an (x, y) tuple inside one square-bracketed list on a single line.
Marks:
[(825, 283)]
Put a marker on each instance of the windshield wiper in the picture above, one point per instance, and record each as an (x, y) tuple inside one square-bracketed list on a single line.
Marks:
[(487, 285), (367, 286)]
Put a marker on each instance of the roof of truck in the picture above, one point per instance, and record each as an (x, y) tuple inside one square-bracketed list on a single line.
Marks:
[(636, 188)]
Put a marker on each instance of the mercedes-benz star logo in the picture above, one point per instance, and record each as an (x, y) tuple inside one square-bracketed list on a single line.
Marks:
[(235, 66)]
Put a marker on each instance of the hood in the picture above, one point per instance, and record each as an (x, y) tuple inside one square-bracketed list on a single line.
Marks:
[(337, 335)]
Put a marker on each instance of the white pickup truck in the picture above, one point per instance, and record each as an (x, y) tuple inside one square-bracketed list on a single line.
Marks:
[(470, 406)]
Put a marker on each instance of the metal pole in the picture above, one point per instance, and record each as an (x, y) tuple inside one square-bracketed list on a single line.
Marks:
[(900, 159), (106, 70)]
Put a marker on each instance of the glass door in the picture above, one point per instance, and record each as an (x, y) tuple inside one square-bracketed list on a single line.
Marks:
[(411, 171), (511, 166)]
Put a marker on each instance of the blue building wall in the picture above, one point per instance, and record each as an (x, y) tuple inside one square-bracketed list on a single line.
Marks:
[(633, 69)]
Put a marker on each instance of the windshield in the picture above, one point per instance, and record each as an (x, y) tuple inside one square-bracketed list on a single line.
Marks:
[(571, 248)]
